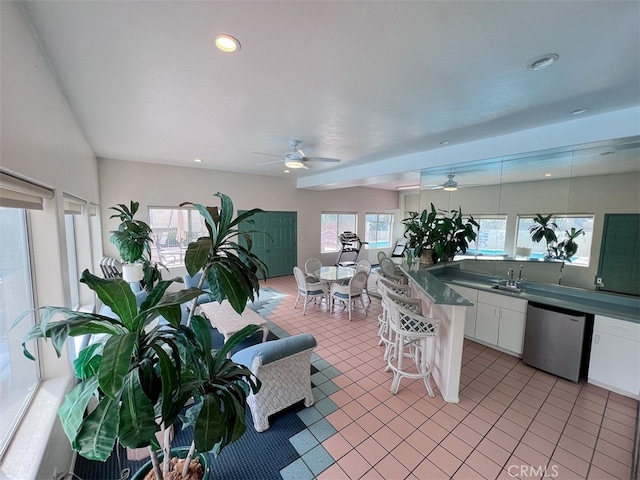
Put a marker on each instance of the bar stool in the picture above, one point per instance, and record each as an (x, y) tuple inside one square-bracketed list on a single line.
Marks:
[(415, 337), (384, 330)]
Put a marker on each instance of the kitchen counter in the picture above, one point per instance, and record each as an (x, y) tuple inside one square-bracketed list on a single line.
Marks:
[(600, 303)]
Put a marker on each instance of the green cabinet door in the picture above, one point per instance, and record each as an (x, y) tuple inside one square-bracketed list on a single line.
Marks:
[(619, 265), (278, 249)]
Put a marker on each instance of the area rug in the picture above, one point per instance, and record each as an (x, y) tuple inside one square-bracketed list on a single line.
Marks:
[(255, 456)]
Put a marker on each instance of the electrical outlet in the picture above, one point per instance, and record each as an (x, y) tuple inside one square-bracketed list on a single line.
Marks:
[(599, 281)]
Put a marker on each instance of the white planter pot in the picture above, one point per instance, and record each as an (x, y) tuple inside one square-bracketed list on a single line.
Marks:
[(132, 272)]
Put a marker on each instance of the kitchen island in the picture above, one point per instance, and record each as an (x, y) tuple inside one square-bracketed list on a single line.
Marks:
[(497, 318)]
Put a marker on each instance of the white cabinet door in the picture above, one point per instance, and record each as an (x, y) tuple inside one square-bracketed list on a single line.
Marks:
[(511, 331), (470, 294), (615, 355), (487, 323), (500, 321)]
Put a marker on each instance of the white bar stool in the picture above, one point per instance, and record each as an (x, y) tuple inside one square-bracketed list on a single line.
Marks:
[(415, 336)]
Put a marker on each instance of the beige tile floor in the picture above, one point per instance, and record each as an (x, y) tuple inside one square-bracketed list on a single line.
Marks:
[(512, 421)]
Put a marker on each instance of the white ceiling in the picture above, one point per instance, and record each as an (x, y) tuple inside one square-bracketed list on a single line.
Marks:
[(361, 81)]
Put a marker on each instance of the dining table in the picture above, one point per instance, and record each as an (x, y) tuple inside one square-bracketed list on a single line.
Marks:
[(332, 274)]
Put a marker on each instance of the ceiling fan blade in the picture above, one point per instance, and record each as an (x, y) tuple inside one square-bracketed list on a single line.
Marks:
[(271, 163), (268, 154), (437, 187), (323, 159)]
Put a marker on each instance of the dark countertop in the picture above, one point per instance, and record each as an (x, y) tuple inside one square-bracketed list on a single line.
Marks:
[(612, 305)]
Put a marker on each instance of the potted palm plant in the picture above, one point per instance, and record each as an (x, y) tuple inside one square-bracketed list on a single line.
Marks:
[(544, 228), (133, 240), (142, 376)]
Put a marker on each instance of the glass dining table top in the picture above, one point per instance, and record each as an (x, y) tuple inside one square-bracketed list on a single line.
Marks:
[(335, 274)]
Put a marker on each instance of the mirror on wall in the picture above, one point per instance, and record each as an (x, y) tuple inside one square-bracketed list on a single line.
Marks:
[(577, 183)]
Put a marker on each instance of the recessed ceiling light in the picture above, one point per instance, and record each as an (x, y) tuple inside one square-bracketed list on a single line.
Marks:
[(548, 174), (408, 187), (578, 111), (197, 160), (287, 171), (445, 142), (227, 43), (543, 61)]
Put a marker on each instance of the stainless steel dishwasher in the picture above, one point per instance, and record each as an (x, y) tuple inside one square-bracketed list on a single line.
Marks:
[(557, 341)]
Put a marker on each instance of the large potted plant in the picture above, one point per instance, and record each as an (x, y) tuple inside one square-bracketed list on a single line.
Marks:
[(453, 232), (544, 228), (143, 375), (438, 234), (133, 240), (420, 234)]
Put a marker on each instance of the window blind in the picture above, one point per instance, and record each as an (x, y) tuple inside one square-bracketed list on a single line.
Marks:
[(18, 193)]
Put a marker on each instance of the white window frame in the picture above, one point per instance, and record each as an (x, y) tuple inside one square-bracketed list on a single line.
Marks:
[(497, 249), (169, 247), (523, 238), (371, 236), (326, 245), (14, 401)]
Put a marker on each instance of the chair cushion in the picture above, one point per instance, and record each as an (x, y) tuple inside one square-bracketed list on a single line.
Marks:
[(275, 349), (313, 292)]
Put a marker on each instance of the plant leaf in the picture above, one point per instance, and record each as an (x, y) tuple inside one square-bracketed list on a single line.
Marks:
[(71, 412), (98, 432), (209, 427), (116, 362), (88, 363), (116, 294), (137, 421)]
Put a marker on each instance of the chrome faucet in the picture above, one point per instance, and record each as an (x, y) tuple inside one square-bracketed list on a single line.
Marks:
[(520, 273)]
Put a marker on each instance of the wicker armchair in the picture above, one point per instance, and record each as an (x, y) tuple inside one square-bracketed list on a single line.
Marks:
[(284, 368)]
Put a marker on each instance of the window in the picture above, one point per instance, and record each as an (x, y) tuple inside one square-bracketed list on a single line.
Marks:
[(173, 229), (19, 376), (564, 223), (491, 235), (333, 224), (377, 230)]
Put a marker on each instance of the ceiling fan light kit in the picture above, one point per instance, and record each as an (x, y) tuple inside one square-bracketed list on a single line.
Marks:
[(292, 163), (296, 157)]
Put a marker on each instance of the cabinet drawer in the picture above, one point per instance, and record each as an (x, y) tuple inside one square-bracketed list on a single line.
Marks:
[(504, 301), (617, 327)]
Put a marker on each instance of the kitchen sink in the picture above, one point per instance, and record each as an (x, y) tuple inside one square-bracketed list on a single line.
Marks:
[(508, 288)]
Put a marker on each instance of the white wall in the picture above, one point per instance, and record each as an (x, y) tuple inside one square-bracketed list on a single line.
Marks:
[(168, 186), (42, 142)]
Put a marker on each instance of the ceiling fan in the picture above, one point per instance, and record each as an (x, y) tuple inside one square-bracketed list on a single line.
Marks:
[(296, 157), (450, 185)]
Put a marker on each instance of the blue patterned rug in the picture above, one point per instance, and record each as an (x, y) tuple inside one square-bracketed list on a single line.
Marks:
[(255, 456)]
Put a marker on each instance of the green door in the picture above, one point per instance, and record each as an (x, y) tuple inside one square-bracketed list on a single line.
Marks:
[(619, 266), (279, 248)]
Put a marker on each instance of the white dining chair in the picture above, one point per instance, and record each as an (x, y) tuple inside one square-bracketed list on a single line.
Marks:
[(348, 294)]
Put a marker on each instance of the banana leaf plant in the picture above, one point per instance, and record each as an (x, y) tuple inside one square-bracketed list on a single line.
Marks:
[(568, 247), (133, 241), (133, 375), (143, 375), (229, 267), (544, 228)]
